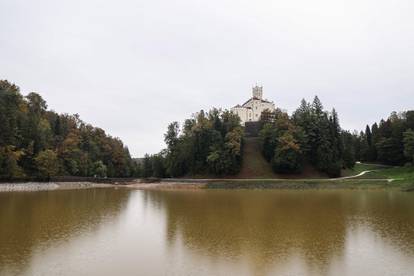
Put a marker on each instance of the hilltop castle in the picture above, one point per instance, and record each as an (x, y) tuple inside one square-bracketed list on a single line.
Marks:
[(252, 109)]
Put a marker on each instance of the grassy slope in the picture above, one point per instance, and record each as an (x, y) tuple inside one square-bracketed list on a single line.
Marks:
[(255, 165)]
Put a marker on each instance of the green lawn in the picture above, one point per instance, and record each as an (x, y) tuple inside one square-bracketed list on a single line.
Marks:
[(398, 174), (360, 167)]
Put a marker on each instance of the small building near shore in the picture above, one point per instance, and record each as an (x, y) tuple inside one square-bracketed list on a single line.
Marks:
[(252, 109)]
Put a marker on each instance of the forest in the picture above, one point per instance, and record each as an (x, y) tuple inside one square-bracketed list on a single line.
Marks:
[(389, 142), (36, 142), (314, 136), (210, 144), (207, 144), (310, 136)]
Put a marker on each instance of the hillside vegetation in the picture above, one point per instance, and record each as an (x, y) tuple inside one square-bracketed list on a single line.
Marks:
[(308, 144), (255, 166), (36, 142), (310, 136), (390, 141), (209, 144)]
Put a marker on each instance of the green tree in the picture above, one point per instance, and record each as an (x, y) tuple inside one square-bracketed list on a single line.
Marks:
[(208, 143), (388, 151), (9, 158), (147, 166), (158, 167), (99, 169), (349, 155), (287, 157), (47, 163), (27, 127), (409, 145), (171, 137), (11, 113)]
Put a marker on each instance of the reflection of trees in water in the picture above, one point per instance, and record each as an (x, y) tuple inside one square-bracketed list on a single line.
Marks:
[(27, 220), (390, 215), (266, 227), (270, 227)]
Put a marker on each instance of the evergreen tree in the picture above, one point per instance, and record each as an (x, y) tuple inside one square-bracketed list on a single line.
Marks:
[(349, 152), (209, 143), (147, 166), (409, 145)]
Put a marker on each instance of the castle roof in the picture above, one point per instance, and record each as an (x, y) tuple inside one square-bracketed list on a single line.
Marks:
[(240, 106), (254, 98)]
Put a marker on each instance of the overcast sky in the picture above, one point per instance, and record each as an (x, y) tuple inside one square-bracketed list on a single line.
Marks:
[(131, 66)]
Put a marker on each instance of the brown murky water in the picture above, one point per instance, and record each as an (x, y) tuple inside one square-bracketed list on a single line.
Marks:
[(221, 232)]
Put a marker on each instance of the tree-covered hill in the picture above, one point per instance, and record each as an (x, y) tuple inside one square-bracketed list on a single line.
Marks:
[(310, 136), (390, 141), (309, 143), (209, 144), (314, 136), (36, 142)]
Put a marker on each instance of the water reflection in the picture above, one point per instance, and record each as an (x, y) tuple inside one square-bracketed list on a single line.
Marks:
[(33, 220), (203, 232), (269, 228)]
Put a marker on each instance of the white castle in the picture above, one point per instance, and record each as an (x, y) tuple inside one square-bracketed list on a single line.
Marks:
[(251, 110)]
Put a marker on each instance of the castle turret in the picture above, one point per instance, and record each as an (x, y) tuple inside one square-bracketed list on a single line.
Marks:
[(252, 109), (258, 92)]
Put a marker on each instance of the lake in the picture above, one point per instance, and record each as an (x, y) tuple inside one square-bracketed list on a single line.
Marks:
[(110, 231)]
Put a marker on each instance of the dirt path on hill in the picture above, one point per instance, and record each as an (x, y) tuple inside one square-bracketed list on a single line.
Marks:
[(255, 166)]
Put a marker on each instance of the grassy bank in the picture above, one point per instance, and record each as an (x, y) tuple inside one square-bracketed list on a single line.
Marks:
[(379, 177), (404, 175), (302, 184), (361, 167)]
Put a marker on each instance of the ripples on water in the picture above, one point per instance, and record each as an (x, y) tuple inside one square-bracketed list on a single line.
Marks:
[(220, 232)]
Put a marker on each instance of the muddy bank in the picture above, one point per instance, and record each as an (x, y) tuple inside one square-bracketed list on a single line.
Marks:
[(282, 184), (189, 184), (49, 186), (162, 185)]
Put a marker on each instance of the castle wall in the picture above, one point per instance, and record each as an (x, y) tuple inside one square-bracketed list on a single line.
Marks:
[(252, 109)]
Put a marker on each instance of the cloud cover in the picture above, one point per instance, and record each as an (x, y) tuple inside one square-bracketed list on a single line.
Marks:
[(133, 66)]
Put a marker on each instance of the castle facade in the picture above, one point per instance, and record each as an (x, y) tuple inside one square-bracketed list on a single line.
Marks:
[(252, 109)]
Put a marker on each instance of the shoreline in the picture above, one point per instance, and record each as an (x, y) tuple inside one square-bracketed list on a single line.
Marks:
[(191, 184), (49, 186)]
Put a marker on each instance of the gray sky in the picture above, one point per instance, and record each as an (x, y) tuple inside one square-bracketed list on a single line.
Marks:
[(131, 66)]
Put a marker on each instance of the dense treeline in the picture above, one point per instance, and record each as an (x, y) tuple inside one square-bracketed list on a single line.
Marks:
[(36, 142), (209, 143), (310, 136), (390, 142)]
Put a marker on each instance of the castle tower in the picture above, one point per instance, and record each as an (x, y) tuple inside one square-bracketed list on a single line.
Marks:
[(258, 92), (252, 109)]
